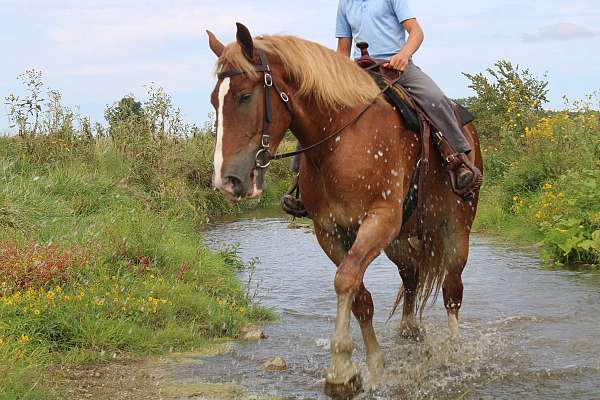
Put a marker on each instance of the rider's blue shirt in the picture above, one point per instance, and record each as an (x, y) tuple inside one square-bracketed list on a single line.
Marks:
[(377, 22)]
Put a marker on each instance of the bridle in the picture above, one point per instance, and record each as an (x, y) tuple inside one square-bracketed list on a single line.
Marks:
[(263, 156), (268, 83)]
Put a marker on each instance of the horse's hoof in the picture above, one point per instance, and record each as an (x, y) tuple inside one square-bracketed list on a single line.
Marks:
[(412, 332), (343, 391), (376, 365)]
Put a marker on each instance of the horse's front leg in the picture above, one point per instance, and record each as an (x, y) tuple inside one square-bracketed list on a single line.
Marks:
[(362, 306), (363, 310), (378, 229)]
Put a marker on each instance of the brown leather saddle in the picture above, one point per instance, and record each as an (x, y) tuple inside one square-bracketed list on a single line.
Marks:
[(417, 120)]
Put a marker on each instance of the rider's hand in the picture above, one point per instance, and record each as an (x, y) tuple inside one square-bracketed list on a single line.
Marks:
[(398, 61)]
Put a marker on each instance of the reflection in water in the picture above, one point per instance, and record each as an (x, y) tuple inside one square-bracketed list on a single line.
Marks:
[(526, 332)]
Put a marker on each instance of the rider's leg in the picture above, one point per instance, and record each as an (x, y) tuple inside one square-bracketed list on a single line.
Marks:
[(433, 101), (437, 106)]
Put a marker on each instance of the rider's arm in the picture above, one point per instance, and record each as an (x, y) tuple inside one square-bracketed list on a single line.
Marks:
[(415, 36), (414, 41), (343, 31), (344, 46)]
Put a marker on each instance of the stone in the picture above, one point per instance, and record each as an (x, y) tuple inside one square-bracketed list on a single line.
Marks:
[(275, 364), (253, 333)]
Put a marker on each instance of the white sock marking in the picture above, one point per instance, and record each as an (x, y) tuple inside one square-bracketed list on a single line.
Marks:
[(218, 162)]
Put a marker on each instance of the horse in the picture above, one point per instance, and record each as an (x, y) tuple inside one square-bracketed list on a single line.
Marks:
[(353, 184)]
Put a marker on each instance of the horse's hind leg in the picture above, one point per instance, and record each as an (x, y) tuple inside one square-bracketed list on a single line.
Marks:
[(407, 267), (410, 281), (362, 308), (452, 288)]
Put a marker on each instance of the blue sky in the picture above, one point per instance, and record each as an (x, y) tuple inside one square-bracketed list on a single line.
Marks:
[(94, 52)]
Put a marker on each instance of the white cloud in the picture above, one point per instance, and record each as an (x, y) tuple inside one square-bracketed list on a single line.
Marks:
[(121, 27), (560, 32)]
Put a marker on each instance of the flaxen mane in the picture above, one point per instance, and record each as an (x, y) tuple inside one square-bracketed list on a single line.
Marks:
[(332, 80)]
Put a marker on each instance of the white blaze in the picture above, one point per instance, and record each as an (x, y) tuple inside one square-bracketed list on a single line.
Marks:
[(218, 162)]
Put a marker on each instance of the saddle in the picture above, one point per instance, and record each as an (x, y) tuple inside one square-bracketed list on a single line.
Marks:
[(417, 120)]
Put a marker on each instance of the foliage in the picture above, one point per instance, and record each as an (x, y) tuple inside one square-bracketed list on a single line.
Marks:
[(542, 167), (24, 112), (507, 101)]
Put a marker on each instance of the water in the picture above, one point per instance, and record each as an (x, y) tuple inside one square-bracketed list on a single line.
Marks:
[(527, 332)]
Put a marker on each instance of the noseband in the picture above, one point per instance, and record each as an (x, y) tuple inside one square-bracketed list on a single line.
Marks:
[(263, 156)]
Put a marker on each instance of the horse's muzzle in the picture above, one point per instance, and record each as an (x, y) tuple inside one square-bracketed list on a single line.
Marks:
[(236, 187)]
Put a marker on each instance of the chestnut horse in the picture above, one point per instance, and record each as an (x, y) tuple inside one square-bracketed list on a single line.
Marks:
[(353, 185)]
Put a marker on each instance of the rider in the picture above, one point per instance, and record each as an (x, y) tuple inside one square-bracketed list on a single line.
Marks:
[(383, 24)]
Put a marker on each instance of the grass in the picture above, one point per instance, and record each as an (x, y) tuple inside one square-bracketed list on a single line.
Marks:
[(102, 257), (494, 220)]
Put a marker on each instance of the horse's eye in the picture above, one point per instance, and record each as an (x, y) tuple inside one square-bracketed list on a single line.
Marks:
[(244, 98)]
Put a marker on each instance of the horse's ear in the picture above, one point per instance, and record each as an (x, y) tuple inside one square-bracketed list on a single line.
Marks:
[(215, 45), (245, 40)]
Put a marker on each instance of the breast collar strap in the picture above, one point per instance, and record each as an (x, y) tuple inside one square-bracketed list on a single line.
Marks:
[(263, 156)]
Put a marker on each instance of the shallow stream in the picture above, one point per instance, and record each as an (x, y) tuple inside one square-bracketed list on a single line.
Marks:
[(527, 332)]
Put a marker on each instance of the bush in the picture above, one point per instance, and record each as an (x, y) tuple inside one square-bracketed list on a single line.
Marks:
[(542, 167)]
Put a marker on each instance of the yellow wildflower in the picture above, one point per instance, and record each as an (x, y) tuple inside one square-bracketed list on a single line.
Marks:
[(547, 186), (24, 339), (36, 311)]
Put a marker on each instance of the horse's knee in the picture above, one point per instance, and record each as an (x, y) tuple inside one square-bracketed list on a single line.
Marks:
[(347, 278), (362, 307)]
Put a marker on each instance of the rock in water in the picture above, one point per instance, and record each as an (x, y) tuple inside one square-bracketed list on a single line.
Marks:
[(275, 364), (253, 333)]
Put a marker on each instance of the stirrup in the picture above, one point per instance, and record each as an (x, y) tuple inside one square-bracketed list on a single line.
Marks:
[(453, 163), (291, 202)]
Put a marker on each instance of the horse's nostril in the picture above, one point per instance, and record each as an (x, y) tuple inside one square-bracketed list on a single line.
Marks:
[(236, 185)]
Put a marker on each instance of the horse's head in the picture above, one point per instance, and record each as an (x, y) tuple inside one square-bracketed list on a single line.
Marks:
[(251, 116)]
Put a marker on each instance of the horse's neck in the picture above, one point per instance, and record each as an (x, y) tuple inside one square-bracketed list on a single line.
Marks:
[(312, 124)]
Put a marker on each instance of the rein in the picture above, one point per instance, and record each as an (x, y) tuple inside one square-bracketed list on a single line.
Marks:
[(268, 83)]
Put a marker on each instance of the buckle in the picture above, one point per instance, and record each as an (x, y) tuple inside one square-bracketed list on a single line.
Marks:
[(450, 159), (438, 137), (284, 97), (268, 79), (258, 160), (265, 141)]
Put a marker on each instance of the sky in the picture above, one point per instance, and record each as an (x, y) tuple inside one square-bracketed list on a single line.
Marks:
[(95, 52)]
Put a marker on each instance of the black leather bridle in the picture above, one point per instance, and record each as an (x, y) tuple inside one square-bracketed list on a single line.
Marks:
[(263, 157)]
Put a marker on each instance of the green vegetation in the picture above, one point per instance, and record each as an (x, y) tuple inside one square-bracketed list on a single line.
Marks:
[(542, 168), (100, 250)]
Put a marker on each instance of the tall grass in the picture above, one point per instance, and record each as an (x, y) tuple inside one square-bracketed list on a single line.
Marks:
[(100, 243)]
